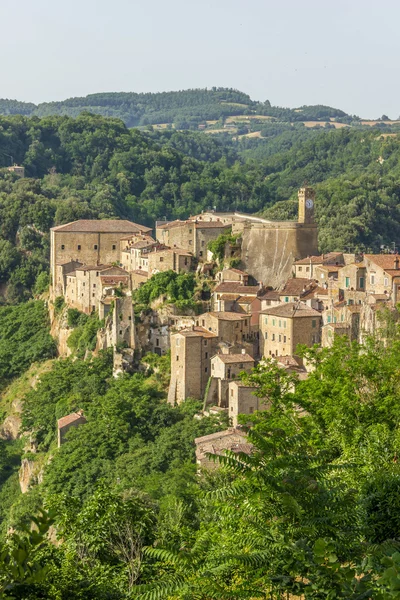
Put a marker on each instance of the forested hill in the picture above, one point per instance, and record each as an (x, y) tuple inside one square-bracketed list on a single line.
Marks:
[(183, 108), (93, 167)]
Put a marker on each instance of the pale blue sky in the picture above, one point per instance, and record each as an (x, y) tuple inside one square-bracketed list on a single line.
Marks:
[(344, 53)]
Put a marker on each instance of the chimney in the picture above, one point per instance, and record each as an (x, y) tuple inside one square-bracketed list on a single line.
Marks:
[(396, 263), (243, 351)]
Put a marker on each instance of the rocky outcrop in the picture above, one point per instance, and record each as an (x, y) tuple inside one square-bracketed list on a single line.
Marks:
[(9, 430), (30, 473), (60, 331)]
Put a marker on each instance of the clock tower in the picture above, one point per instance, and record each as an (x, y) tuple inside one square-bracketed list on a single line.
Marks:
[(306, 204)]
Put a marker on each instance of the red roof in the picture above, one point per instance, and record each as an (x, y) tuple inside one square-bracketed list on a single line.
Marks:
[(67, 420), (101, 226)]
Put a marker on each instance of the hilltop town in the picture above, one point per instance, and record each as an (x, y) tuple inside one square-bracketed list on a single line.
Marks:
[(269, 292)]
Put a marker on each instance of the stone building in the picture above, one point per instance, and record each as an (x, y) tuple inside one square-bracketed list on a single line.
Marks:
[(229, 327), (382, 274), (134, 256), (285, 326), (88, 285), (232, 439), (305, 267), (88, 242), (230, 290), (243, 401), (191, 352), (18, 170), (192, 235), (65, 423), (233, 276), (224, 368), (166, 259)]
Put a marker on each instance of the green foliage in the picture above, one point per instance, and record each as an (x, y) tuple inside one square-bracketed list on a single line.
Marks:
[(84, 336), (42, 283), (76, 318), (175, 288), (59, 304), (217, 246), (24, 338)]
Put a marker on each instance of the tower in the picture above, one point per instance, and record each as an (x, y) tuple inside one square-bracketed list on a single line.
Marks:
[(306, 204)]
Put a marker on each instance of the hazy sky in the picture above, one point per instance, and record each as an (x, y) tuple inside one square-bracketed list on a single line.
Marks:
[(344, 53)]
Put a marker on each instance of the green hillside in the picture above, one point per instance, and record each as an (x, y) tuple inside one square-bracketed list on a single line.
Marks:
[(186, 108)]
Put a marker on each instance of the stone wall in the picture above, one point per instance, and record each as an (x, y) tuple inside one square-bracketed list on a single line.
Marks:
[(269, 250)]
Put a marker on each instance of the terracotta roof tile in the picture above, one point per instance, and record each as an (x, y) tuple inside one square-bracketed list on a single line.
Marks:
[(231, 287), (101, 226), (291, 310), (68, 419), (228, 359), (226, 315), (296, 286)]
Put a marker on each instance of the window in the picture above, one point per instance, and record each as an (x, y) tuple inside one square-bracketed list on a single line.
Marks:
[(93, 307), (241, 366), (284, 324), (313, 323), (178, 342), (280, 337), (329, 318), (347, 282), (190, 230), (161, 259), (342, 317), (114, 247), (212, 366), (361, 283), (206, 370), (300, 268), (232, 395), (95, 247), (205, 342), (120, 332), (190, 242), (266, 335), (273, 321), (177, 357), (186, 262), (62, 247), (203, 323), (231, 406), (94, 285), (245, 322), (273, 337), (79, 246), (284, 339), (130, 318), (372, 279), (266, 320), (286, 298), (83, 284), (237, 325), (251, 410), (385, 281), (157, 342), (97, 273), (202, 242), (201, 253), (307, 269), (334, 319), (93, 295)]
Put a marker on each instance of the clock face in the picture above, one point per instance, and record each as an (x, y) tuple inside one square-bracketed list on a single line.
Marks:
[(309, 203)]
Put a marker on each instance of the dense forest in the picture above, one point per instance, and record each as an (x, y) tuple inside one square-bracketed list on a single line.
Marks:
[(93, 167), (311, 513), (185, 108)]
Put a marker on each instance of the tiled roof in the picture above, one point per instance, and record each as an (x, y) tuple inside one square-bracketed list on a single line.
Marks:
[(296, 286), (385, 261), (195, 331), (93, 267), (229, 297), (228, 359), (219, 434), (270, 295), (291, 310), (238, 271), (231, 287), (319, 260), (113, 279), (143, 244), (139, 272), (67, 420), (101, 226), (212, 225), (226, 315)]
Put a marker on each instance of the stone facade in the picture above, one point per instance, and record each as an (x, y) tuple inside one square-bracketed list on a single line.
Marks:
[(285, 326), (166, 259), (190, 235), (224, 368), (89, 242), (191, 352), (242, 401)]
